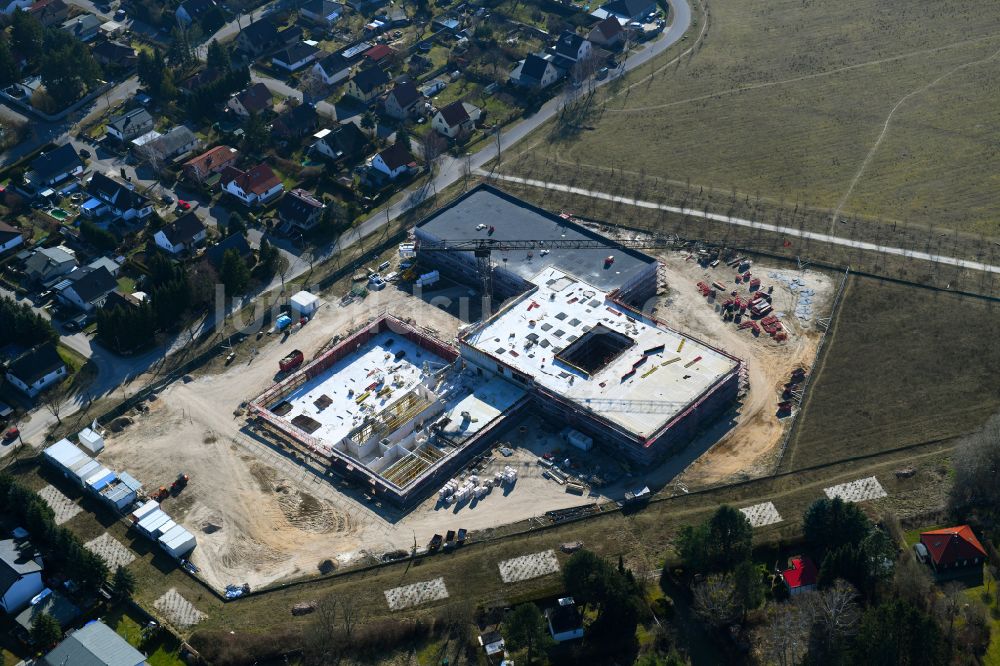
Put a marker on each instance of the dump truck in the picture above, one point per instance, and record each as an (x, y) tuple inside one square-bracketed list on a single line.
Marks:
[(291, 361)]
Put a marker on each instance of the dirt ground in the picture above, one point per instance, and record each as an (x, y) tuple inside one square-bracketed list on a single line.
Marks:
[(750, 446), (261, 517)]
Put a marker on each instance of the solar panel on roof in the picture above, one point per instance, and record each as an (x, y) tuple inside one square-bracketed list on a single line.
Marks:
[(546, 326), (559, 333), (561, 316), (574, 322)]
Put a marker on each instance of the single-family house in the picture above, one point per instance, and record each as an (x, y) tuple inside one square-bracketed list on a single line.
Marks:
[(192, 11), (177, 142), (20, 574), (49, 12), (366, 7), (84, 27), (210, 162), (300, 209), (446, 24), (51, 603), (34, 371), (199, 79), (367, 84), (608, 33), (403, 101), (572, 48), (801, 576), (565, 621), (107, 263), (296, 123), (93, 644), (493, 644), (255, 99), (322, 12), (456, 120), (115, 54), (49, 263), (131, 124), (345, 142), (332, 69), (111, 30), (952, 552), (295, 57), (625, 11), (258, 38), (110, 195), (394, 161), (356, 51), (535, 72), (86, 288), (237, 241), (379, 53), (9, 237), (182, 234), (253, 187), (51, 168)]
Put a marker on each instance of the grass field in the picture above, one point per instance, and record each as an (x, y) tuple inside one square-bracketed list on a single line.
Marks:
[(786, 99), (904, 365)]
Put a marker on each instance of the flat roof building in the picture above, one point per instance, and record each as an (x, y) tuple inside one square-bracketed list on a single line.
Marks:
[(487, 212)]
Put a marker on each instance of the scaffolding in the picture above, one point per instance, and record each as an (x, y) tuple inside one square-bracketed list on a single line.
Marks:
[(413, 464), (391, 418)]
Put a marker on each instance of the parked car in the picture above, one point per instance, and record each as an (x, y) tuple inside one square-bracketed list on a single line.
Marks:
[(183, 205), (84, 153), (77, 323), (120, 15)]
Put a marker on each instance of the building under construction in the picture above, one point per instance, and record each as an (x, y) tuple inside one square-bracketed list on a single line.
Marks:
[(391, 407), (401, 411)]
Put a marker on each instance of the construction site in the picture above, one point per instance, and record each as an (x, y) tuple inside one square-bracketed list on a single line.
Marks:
[(569, 396)]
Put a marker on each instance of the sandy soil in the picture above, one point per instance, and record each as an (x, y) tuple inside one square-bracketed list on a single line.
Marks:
[(262, 517), (748, 449)]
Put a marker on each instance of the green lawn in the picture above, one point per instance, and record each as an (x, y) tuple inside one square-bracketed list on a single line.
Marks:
[(164, 650), (126, 285)]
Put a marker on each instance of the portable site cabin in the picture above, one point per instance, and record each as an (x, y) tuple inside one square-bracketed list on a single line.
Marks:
[(177, 542), (82, 472), (304, 304), (91, 441), (152, 522), (144, 510), (122, 492), (578, 439), (67, 458), (100, 479)]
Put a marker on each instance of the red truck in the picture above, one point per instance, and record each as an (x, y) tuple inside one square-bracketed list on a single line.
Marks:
[(292, 361)]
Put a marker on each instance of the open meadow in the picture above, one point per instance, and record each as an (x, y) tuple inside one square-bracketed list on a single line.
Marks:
[(884, 110)]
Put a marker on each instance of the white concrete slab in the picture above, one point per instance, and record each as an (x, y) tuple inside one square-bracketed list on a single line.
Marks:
[(857, 491), (179, 611), (527, 567), (114, 553), (761, 515), (408, 596), (63, 506)]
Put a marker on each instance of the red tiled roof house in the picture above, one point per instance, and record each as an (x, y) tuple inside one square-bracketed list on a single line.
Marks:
[(253, 187), (801, 576), (952, 551)]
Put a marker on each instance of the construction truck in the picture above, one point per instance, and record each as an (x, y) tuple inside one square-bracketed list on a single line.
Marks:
[(636, 497), (291, 361)]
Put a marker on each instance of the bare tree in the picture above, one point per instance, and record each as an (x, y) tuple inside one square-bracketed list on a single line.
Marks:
[(151, 154), (351, 615), (715, 600), (324, 643), (834, 615), (948, 607), (785, 638), (977, 474), (312, 86), (54, 400), (432, 146)]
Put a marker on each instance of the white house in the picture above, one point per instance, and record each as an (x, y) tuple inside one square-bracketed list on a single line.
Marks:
[(35, 370), (51, 168), (86, 288), (572, 48), (130, 124), (295, 57), (565, 621), (534, 71), (394, 161), (120, 199), (182, 234), (332, 69), (457, 119), (9, 237), (323, 12), (20, 575), (254, 187)]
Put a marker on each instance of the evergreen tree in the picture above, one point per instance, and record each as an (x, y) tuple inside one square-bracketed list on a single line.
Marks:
[(123, 583), (255, 137), (26, 34), (218, 56), (45, 631), (234, 273), (526, 630), (9, 70)]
